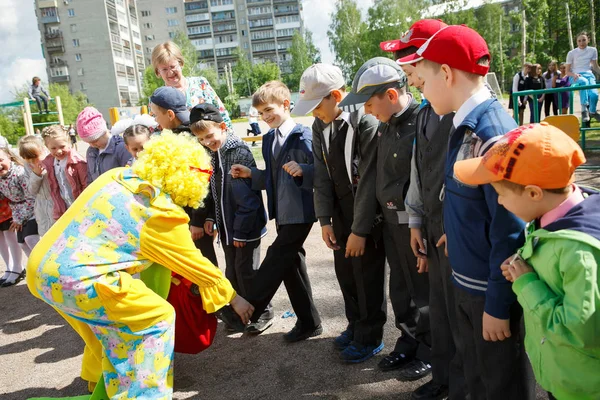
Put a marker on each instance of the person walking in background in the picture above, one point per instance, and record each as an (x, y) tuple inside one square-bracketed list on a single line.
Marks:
[(253, 121), (550, 77), (518, 85), (38, 93), (72, 136), (580, 63), (563, 81), (534, 81)]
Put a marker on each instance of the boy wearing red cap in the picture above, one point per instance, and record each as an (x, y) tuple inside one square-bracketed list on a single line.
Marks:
[(555, 274), (480, 233), (424, 210)]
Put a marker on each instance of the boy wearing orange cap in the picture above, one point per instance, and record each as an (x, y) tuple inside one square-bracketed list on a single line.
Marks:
[(555, 274), (479, 233)]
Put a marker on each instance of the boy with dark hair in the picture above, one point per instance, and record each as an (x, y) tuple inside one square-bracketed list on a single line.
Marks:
[(168, 106), (555, 274), (480, 234), (238, 210), (345, 150), (288, 180), (424, 209), (380, 85)]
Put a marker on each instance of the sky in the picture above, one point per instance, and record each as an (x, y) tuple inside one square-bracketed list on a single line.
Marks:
[(22, 54)]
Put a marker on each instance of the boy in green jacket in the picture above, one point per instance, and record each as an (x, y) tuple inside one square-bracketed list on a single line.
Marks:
[(555, 274)]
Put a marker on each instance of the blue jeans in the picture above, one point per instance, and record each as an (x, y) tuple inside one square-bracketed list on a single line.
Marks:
[(588, 97)]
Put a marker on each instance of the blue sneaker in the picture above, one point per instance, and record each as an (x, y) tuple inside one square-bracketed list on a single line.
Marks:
[(357, 353), (343, 340)]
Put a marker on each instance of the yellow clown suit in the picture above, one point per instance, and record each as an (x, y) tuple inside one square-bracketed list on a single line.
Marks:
[(126, 220)]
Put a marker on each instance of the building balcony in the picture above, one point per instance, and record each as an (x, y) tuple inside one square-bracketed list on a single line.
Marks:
[(58, 63), (50, 19), (55, 47), (47, 3), (53, 35), (60, 79)]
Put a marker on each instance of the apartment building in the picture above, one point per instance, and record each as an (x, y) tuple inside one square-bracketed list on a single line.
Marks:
[(93, 46), (263, 29), (159, 22)]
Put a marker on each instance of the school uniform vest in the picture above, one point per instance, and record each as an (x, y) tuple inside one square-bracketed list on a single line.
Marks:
[(431, 149), (336, 160)]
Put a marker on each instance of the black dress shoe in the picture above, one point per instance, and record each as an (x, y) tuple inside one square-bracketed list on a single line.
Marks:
[(298, 333), (393, 361), (231, 319), (430, 391), (414, 370)]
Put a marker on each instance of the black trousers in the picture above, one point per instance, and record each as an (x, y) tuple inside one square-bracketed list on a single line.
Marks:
[(241, 268), (493, 370), (446, 364), (207, 248), (362, 282), (285, 262), (549, 99), (409, 293)]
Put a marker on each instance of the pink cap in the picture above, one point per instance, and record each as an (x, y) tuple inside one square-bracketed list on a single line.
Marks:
[(90, 125)]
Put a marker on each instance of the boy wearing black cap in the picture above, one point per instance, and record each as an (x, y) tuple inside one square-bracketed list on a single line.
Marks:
[(345, 150), (168, 106), (238, 210), (380, 85), (480, 233)]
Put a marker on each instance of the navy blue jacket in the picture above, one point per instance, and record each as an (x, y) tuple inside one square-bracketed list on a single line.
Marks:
[(290, 200), (242, 215), (481, 233), (115, 155)]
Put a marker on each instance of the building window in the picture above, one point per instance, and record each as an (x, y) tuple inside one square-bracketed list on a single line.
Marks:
[(245, 45), (197, 17), (75, 42), (196, 5), (194, 30), (82, 85), (172, 22), (148, 25), (73, 28), (80, 71), (77, 57), (149, 37), (242, 21), (145, 13), (171, 10), (172, 35), (288, 18), (220, 2), (71, 12), (135, 34)]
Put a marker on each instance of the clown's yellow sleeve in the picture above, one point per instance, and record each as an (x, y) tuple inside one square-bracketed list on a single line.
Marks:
[(165, 239)]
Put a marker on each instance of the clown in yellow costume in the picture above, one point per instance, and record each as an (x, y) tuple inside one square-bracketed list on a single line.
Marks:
[(126, 220)]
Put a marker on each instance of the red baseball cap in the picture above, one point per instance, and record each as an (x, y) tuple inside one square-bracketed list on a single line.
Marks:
[(457, 46), (418, 34)]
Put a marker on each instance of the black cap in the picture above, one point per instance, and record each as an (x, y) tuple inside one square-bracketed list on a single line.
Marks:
[(172, 99), (205, 112)]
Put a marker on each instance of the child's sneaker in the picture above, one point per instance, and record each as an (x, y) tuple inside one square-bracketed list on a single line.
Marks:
[(259, 326), (357, 353), (585, 114), (343, 340)]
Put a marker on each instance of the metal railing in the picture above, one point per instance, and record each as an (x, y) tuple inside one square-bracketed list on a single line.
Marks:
[(536, 111)]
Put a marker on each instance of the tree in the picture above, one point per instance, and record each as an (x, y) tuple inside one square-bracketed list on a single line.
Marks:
[(346, 33), (247, 77), (304, 54)]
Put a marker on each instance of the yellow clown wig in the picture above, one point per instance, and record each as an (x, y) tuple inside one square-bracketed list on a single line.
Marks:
[(178, 165)]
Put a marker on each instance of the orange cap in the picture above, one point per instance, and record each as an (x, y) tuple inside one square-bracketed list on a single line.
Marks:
[(536, 154)]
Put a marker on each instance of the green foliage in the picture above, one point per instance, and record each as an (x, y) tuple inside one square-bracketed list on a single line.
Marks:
[(304, 54), (346, 33), (247, 77), (231, 102)]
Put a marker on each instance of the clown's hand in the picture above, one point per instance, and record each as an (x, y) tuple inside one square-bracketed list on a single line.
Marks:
[(242, 308)]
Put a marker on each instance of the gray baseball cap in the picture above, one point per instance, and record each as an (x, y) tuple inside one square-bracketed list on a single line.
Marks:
[(373, 77), (316, 83)]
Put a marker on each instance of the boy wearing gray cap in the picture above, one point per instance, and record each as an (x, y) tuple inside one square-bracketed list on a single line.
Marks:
[(344, 150), (380, 86)]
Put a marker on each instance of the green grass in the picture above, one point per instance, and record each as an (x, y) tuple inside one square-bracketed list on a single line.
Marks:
[(257, 152)]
